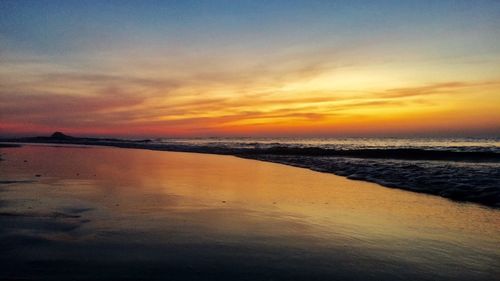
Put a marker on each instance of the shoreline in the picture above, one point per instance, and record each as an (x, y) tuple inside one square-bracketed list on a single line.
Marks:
[(406, 177), (130, 213)]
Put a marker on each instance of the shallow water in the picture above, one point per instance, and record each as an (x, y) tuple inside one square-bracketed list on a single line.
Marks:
[(109, 213), (462, 169)]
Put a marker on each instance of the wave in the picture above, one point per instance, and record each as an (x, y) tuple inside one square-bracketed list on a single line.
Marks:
[(389, 153)]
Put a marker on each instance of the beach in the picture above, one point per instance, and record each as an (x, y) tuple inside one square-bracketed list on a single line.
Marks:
[(101, 213), (460, 169), (249, 140)]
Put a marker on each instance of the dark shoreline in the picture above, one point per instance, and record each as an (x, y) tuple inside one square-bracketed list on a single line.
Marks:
[(463, 185), (389, 153)]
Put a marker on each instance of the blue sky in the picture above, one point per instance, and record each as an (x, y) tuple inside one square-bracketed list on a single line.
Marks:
[(49, 27)]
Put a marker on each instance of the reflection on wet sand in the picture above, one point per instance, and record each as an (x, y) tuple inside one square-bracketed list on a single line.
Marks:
[(106, 213)]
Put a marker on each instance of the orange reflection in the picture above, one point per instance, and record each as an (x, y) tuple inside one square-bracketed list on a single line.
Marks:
[(177, 198), (205, 181)]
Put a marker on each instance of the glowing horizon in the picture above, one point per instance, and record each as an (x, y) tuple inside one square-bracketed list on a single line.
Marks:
[(217, 68)]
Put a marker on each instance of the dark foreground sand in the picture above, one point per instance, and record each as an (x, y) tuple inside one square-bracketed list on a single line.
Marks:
[(87, 213)]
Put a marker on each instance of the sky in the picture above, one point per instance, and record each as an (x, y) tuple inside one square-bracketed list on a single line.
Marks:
[(250, 68)]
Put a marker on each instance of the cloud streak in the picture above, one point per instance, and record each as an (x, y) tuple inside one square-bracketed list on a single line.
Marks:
[(259, 98)]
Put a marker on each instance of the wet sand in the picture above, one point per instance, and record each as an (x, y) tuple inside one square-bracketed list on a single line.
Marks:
[(462, 173), (95, 213)]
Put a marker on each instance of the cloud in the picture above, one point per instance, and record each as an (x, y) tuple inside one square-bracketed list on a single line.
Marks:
[(217, 98), (433, 89), (64, 109)]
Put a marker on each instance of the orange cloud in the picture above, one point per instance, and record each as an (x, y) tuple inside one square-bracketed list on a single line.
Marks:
[(256, 100)]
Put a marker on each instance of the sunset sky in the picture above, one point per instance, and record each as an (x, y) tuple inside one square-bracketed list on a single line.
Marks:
[(250, 68)]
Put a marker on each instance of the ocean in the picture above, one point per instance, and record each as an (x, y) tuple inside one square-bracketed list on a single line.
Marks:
[(443, 144)]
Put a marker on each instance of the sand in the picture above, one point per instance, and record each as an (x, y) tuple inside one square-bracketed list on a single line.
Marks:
[(98, 213), (465, 174)]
